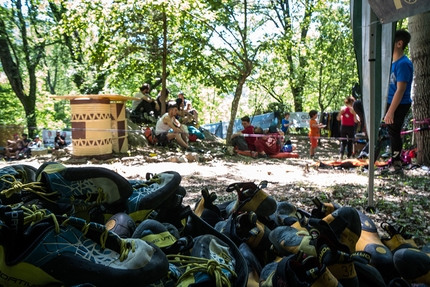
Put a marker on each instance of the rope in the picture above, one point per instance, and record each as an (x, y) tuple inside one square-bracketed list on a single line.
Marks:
[(423, 121)]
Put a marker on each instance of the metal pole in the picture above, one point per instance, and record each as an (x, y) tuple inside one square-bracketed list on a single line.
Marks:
[(372, 94)]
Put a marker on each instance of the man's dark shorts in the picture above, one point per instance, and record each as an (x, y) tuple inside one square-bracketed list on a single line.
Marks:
[(162, 139)]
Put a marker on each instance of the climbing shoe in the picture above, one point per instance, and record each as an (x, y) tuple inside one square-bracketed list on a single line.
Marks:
[(53, 250), (149, 194), (370, 242), (251, 197), (95, 192)]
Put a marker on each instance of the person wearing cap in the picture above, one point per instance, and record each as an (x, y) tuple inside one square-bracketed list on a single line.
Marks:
[(59, 141), (145, 106), (36, 143)]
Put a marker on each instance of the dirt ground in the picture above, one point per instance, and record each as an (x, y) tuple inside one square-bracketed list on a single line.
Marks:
[(402, 200)]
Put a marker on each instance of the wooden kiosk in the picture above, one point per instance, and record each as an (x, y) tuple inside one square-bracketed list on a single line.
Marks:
[(99, 124)]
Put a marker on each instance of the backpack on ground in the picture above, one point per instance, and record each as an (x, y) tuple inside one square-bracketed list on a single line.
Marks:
[(150, 136)]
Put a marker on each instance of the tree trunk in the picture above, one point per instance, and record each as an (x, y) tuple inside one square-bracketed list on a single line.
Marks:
[(235, 107), (420, 56), (12, 71), (164, 96)]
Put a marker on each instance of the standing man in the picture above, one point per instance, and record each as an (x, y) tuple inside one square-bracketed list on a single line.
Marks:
[(399, 96), (146, 105)]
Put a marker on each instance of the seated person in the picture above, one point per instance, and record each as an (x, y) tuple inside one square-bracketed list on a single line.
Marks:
[(288, 147), (189, 109), (270, 143), (14, 147), (168, 128), (183, 116), (146, 106), (59, 141), (240, 140), (36, 143), (25, 150)]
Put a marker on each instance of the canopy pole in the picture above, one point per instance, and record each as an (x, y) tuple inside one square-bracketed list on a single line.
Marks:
[(372, 94)]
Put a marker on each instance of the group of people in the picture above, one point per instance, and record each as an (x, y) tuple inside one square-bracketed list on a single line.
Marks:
[(20, 147), (170, 124), (171, 117), (257, 142), (398, 105), (150, 109)]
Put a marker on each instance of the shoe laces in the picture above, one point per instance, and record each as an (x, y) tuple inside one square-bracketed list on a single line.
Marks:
[(125, 246), (33, 214), (151, 179), (17, 186), (209, 266), (101, 196)]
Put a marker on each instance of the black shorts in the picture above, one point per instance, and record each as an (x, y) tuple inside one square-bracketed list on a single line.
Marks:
[(162, 138)]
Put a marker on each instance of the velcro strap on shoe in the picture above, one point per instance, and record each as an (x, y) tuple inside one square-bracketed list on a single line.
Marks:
[(323, 209), (361, 256), (162, 239), (181, 245), (257, 235), (185, 212)]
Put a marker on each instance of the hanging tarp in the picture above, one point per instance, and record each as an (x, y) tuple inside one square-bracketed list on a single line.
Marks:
[(393, 10)]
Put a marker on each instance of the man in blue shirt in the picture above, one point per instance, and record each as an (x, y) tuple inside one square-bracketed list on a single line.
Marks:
[(399, 96)]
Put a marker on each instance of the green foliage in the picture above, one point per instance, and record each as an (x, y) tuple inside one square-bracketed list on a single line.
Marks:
[(287, 55), (11, 111)]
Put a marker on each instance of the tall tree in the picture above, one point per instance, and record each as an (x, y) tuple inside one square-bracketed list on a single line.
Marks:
[(231, 52), (332, 63), (22, 44), (85, 32), (292, 21), (420, 55)]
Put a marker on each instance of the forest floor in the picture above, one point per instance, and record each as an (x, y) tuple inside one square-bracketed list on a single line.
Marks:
[(402, 200)]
